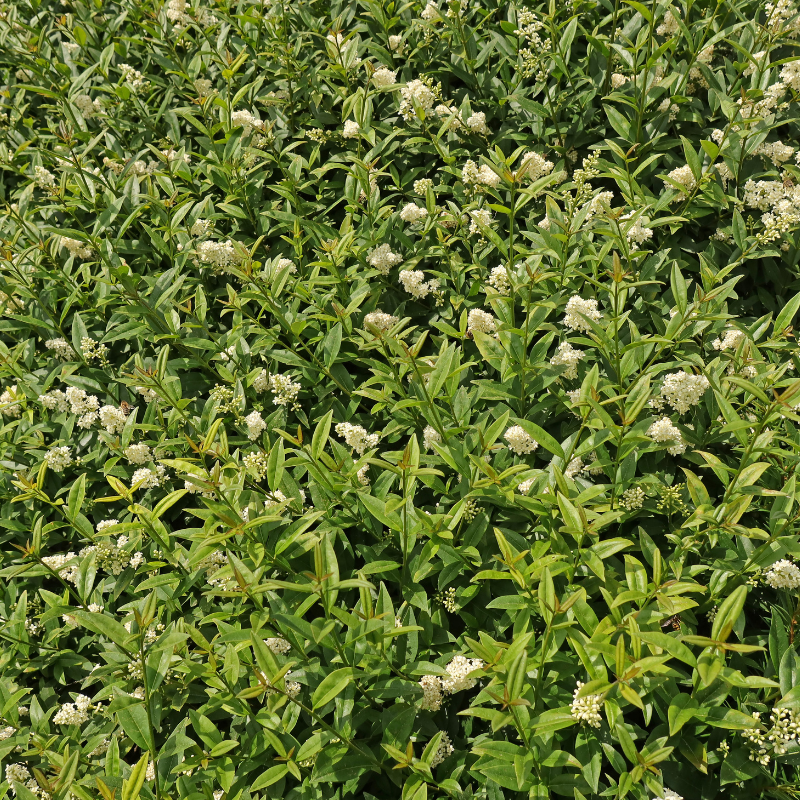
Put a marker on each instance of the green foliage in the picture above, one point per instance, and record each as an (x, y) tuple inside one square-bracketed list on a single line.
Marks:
[(399, 401)]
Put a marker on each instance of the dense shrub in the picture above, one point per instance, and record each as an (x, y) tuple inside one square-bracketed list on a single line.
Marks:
[(399, 400)]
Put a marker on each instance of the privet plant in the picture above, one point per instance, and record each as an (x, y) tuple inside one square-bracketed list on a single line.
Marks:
[(399, 400)]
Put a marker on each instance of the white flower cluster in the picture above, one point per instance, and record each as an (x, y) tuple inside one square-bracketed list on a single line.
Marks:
[(663, 431), (245, 119), (218, 254), (9, 404), (668, 794), (351, 129), (480, 320), (729, 341), (416, 94), (457, 680), (150, 478), (566, 355), (480, 216), (61, 347), (43, 178), (422, 185), (58, 458), (519, 441), (669, 24), (74, 713), (357, 437), (777, 152), (430, 436), (414, 283), (586, 709), (477, 123), (783, 574), (383, 78), (684, 177), (682, 390), (536, 166), (283, 388), (76, 248), (412, 213), (380, 320), (382, 257), (138, 453), (112, 418), (498, 280), (255, 425), (784, 732), (576, 307), (474, 176), (278, 645), (632, 499), (635, 232), (133, 78)]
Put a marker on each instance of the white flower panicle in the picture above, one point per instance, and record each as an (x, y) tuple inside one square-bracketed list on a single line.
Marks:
[(412, 213), (351, 129), (61, 348), (536, 166), (519, 440), (383, 77), (682, 390), (586, 709), (477, 123), (255, 425), (499, 281), (138, 453), (431, 687), (74, 713), (421, 186), (668, 794), (416, 93), (383, 259), (481, 321), (685, 178), (380, 320), (576, 307), (76, 248), (664, 432), (278, 645), (458, 671), (112, 418), (58, 458), (632, 499), (566, 355), (149, 478), (729, 341), (474, 176), (783, 574), (218, 254), (9, 402), (414, 283), (357, 437), (133, 78), (430, 436)]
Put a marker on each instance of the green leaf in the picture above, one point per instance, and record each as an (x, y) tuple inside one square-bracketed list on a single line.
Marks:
[(729, 611), (133, 720), (133, 785), (332, 684), (320, 437)]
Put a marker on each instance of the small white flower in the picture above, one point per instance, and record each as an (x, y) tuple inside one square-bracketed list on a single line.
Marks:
[(519, 441), (351, 129)]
